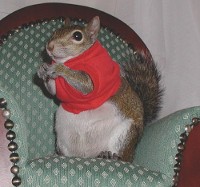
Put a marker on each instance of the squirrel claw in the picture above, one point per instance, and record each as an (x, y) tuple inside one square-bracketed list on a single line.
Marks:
[(51, 74), (109, 155), (42, 71)]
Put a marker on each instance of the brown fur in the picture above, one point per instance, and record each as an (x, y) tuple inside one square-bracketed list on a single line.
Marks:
[(74, 77), (144, 79), (130, 106)]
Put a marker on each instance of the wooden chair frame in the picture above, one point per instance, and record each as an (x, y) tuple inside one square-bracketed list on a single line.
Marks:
[(54, 10)]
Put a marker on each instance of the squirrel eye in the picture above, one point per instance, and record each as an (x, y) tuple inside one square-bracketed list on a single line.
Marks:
[(77, 35)]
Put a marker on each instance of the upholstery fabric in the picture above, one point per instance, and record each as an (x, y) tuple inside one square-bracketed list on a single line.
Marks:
[(32, 110), (163, 135), (61, 171)]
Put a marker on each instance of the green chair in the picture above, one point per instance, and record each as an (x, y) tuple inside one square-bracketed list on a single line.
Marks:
[(29, 111)]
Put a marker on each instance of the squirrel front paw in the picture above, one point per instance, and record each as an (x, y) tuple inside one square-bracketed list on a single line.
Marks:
[(56, 70), (42, 71), (46, 71)]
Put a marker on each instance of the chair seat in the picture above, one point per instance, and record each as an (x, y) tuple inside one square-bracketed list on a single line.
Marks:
[(58, 171)]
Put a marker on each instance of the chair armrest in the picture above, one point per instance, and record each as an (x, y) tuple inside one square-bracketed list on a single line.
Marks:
[(5, 164), (19, 125), (158, 146)]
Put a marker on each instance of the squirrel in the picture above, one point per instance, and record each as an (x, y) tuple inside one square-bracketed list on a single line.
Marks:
[(104, 106)]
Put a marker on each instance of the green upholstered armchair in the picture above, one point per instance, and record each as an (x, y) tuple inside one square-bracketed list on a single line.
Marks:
[(28, 112)]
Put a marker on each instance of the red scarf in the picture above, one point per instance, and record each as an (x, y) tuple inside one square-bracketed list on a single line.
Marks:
[(105, 75)]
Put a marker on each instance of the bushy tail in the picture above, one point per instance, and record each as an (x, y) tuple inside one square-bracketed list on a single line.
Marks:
[(144, 78)]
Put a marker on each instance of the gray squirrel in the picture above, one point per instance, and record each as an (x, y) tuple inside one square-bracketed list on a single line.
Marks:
[(103, 106)]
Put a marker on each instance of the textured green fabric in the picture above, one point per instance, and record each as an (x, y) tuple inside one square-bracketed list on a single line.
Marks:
[(20, 58), (33, 110), (158, 146), (61, 171)]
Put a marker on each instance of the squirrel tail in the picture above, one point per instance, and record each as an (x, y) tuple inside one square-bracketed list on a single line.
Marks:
[(144, 78)]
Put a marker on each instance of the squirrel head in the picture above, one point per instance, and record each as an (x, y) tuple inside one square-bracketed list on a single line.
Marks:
[(72, 40)]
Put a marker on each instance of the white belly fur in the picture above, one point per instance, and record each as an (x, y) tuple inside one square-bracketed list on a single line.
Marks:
[(90, 132)]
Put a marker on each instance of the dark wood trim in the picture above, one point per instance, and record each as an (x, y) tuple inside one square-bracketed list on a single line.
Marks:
[(54, 10)]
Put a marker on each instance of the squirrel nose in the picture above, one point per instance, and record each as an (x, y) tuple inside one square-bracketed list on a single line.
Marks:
[(50, 46)]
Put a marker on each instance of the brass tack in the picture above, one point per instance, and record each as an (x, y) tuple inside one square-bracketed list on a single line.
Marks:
[(183, 137), (10, 135), (14, 157), (188, 128), (6, 113), (12, 146), (3, 103), (180, 147), (195, 120), (177, 167), (9, 124), (14, 169), (178, 157), (16, 181)]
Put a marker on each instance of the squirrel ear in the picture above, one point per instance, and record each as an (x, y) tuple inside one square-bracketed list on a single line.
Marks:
[(93, 28), (67, 21)]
